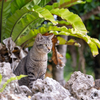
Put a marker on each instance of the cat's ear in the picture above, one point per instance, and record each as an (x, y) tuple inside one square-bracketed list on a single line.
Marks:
[(39, 37), (51, 36)]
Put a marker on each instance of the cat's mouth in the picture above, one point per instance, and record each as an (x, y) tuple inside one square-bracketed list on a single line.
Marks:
[(49, 50)]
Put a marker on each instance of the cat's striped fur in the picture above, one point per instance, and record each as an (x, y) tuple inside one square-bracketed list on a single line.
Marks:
[(35, 63)]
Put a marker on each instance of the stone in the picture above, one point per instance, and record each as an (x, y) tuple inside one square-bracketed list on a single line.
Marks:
[(12, 90), (81, 87), (49, 89)]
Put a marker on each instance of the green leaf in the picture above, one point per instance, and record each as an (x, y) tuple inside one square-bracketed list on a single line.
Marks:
[(96, 41), (4, 13), (62, 41), (61, 31), (71, 18), (68, 3), (93, 47), (36, 2), (64, 23), (53, 29), (0, 78), (89, 0), (21, 19), (43, 12), (24, 23), (91, 44), (64, 4), (34, 32), (14, 19), (18, 4), (43, 2), (10, 80)]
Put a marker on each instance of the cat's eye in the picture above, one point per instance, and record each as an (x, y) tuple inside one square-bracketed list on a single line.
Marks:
[(40, 45), (45, 45)]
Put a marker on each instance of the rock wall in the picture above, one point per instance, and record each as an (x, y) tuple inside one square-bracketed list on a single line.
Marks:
[(79, 87)]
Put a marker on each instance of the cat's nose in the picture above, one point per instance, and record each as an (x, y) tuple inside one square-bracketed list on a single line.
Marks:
[(49, 48)]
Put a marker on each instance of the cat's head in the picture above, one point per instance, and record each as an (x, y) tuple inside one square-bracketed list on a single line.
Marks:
[(44, 43)]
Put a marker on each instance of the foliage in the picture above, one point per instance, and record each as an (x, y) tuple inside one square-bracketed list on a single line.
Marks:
[(26, 19), (10, 80), (64, 4), (93, 26)]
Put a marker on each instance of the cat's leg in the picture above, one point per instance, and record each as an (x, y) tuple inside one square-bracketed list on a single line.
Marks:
[(31, 76)]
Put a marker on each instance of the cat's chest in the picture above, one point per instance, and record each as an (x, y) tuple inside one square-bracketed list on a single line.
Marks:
[(36, 63), (41, 64)]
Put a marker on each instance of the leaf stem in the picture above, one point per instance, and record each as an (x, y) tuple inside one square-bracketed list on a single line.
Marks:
[(1, 20)]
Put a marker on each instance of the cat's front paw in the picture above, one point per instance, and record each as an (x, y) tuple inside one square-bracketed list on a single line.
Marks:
[(26, 90)]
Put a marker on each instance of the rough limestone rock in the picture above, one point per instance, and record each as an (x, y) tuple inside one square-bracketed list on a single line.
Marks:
[(12, 91), (49, 89), (81, 87)]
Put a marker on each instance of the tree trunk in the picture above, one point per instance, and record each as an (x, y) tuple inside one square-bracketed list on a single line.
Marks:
[(97, 66), (58, 72)]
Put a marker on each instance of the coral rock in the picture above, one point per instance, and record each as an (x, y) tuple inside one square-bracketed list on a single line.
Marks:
[(81, 87), (49, 89)]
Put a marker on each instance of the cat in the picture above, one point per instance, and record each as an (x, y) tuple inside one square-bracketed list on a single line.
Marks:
[(35, 63)]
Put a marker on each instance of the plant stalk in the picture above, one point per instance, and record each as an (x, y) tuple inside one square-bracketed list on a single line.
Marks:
[(1, 20)]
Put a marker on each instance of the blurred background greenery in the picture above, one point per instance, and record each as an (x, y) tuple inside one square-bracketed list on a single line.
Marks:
[(81, 59), (92, 65)]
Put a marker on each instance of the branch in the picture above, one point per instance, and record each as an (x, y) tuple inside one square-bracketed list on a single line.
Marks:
[(93, 12)]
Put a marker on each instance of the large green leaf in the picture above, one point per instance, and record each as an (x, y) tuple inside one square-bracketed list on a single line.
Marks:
[(43, 2), (18, 4), (43, 12), (16, 24), (13, 20), (93, 43), (62, 41), (23, 24), (52, 29), (96, 41), (63, 23), (64, 4), (36, 2), (34, 32), (71, 18), (4, 13)]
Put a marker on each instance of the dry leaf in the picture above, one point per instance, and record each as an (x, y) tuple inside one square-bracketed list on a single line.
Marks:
[(56, 56), (11, 53), (9, 44)]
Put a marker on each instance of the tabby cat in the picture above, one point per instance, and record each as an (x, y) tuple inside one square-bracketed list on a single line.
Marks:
[(35, 63)]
